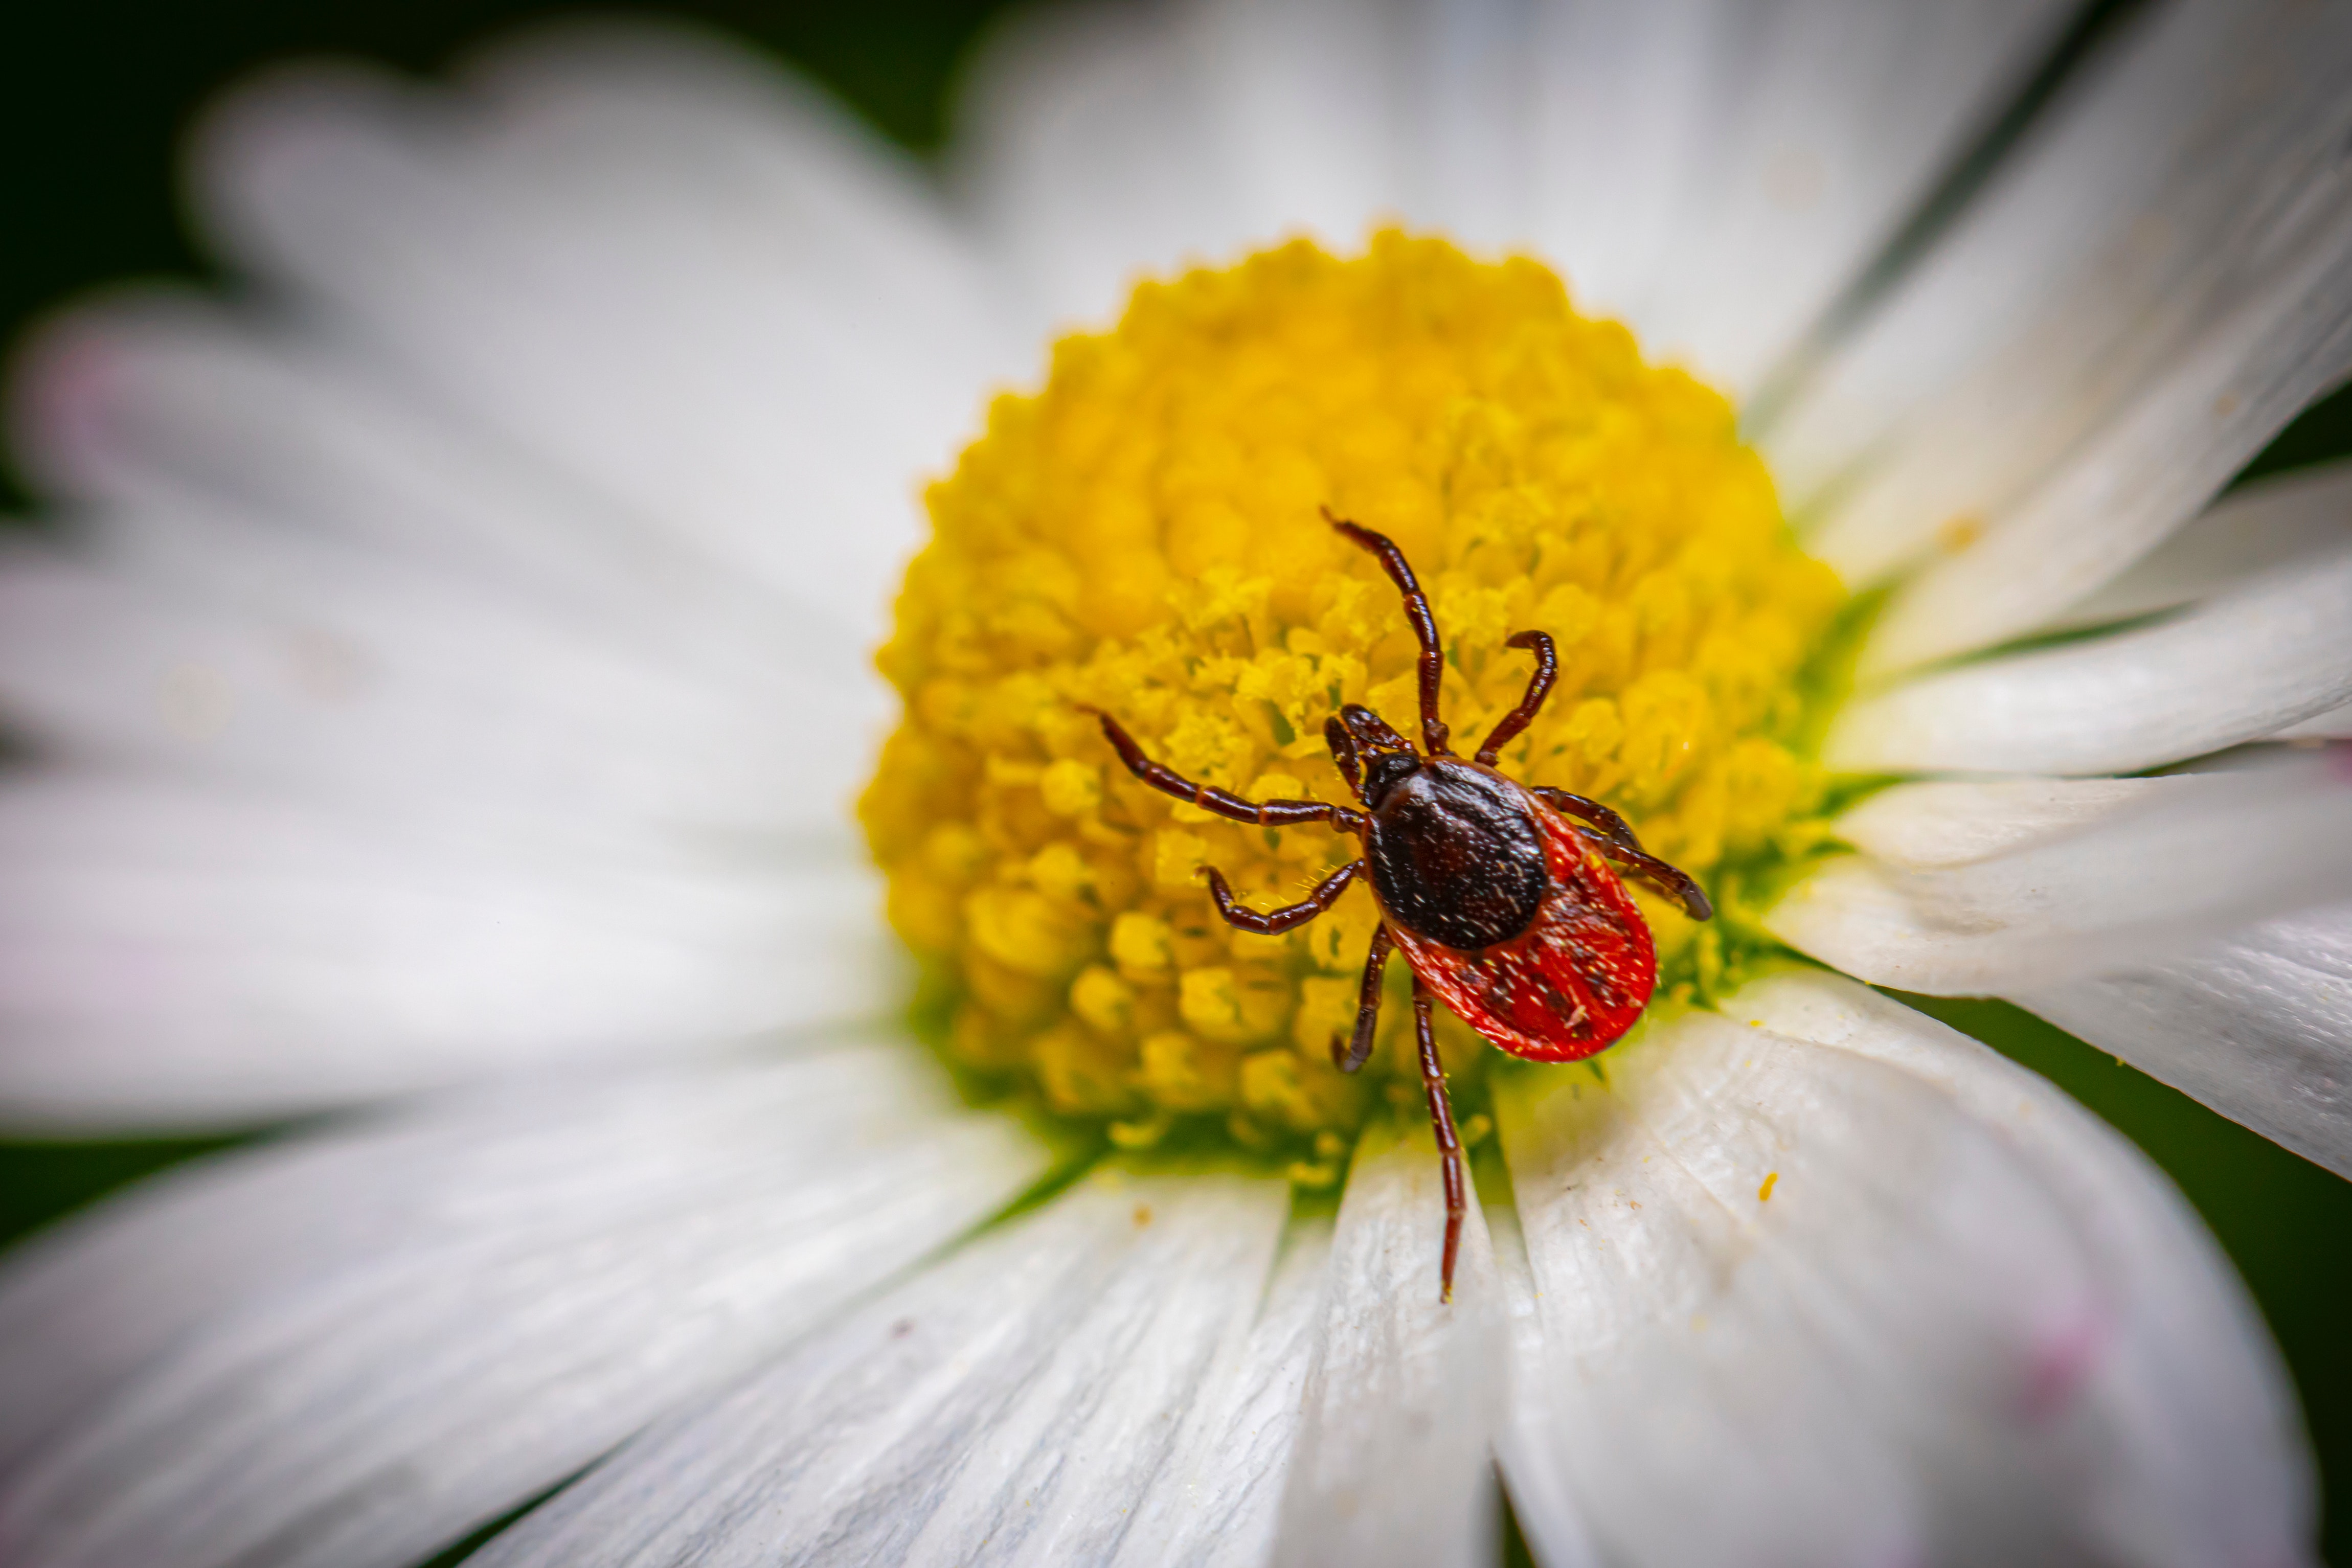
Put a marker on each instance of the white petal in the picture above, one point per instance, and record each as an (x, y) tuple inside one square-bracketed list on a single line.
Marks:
[(174, 411), (2302, 516), (1542, 1485), (1007, 1406), (1464, 134), (1392, 1463), (1785, 143), (2245, 665), (489, 1162), (1214, 1504), (2201, 1457), (653, 265), (1095, 143), (1933, 827), (1964, 1323), (2257, 1025), (2157, 282), (1718, 173), (1101, 142), (174, 957), (2178, 860), (2138, 479), (351, 1351), (1624, 116), (2335, 723), (250, 654)]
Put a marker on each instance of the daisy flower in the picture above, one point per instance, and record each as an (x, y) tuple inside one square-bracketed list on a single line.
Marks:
[(450, 682)]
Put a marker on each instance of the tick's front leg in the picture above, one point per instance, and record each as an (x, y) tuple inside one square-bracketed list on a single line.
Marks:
[(1539, 687)]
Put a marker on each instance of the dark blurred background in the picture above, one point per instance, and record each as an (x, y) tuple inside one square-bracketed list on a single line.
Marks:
[(94, 97)]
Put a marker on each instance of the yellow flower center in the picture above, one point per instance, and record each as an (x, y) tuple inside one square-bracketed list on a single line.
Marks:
[(1144, 536)]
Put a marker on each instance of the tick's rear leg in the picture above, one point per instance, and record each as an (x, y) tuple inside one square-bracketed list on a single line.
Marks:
[(1350, 1056), (1671, 881), (1449, 1146), (1609, 834), (1610, 825), (1275, 922), (1209, 798)]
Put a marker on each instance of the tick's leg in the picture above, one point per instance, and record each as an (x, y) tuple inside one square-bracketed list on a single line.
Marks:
[(1539, 688), (1350, 1056), (1675, 882), (1441, 1116), (1275, 922), (1612, 826), (1343, 752), (1425, 625), (1266, 814), (1610, 835)]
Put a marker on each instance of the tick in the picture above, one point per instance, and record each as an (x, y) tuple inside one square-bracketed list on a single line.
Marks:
[(1502, 895)]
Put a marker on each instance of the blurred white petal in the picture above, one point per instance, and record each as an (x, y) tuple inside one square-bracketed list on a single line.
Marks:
[(1716, 174), (2154, 284), (1007, 1406), (160, 412), (176, 956), (2257, 1025), (2138, 479), (1392, 1463), (498, 754), (257, 655), (2179, 861), (2335, 723), (2244, 665), (351, 1350), (1095, 143), (2302, 516), (1932, 826), (661, 270), (1101, 142), (1785, 141)]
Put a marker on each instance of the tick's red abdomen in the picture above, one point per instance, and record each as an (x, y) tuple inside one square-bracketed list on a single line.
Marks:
[(1569, 983)]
